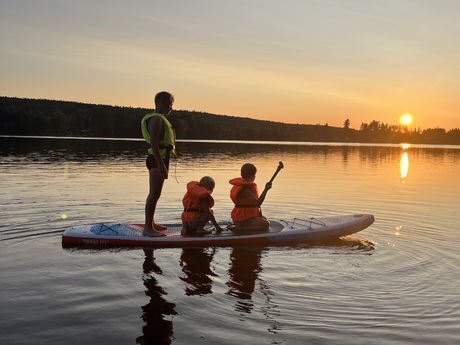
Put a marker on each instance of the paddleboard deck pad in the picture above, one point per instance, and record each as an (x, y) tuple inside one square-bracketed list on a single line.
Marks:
[(281, 232)]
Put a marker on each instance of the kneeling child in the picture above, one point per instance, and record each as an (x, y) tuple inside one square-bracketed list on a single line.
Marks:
[(197, 207)]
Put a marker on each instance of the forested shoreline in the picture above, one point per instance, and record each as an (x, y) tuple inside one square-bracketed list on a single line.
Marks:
[(21, 116)]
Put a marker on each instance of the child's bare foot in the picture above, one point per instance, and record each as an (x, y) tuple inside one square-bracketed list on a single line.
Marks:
[(201, 231), (152, 233)]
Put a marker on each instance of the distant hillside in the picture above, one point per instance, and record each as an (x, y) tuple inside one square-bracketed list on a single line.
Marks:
[(20, 116), (46, 117)]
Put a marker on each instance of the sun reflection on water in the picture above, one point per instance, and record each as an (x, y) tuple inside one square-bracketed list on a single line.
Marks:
[(404, 163), (405, 146), (404, 166)]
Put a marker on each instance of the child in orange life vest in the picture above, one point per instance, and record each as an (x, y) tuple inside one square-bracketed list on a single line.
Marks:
[(197, 207), (246, 214)]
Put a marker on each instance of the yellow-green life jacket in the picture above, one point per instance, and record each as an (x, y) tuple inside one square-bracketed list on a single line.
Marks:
[(167, 143)]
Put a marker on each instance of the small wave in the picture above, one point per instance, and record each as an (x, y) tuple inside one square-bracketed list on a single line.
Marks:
[(22, 235)]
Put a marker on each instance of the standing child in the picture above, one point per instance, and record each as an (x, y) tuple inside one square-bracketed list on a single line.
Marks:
[(159, 134), (197, 207), (246, 214)]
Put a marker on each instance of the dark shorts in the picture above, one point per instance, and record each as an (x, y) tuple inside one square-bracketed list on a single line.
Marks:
[(248, 222), (198, 223), (244, 223), (151, 162), (193, 226)]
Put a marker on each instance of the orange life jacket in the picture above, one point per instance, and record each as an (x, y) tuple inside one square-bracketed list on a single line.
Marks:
[(192, 201), (243, 209)]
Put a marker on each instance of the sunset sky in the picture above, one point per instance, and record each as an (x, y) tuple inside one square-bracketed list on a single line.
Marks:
[(292, 61)]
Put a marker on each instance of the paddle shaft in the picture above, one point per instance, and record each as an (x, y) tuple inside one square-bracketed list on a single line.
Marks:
[(280, 166)]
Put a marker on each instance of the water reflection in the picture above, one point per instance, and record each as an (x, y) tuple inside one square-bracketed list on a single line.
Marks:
[(157, 329), (345, 153), (404, 165), (404, 162), (196, 265), (64, 149), (242, 275), (57, 149)]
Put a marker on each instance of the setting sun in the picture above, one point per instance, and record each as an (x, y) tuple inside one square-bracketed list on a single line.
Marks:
[(406, 119)]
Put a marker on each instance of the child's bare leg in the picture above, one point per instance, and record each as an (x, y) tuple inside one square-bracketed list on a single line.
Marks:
[(155, 185)]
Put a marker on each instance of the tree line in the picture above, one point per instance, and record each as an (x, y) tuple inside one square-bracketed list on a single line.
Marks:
[(21, 116)]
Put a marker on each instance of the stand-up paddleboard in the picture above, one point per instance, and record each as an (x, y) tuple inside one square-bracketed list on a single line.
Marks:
[(280, 232)]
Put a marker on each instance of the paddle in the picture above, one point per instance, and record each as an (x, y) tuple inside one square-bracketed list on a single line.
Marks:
[(280, 166)]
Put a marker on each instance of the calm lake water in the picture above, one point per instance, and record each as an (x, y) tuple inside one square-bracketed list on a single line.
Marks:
[(396, 282)]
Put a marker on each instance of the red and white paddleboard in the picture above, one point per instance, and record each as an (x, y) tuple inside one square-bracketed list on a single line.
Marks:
[(280, 232)]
